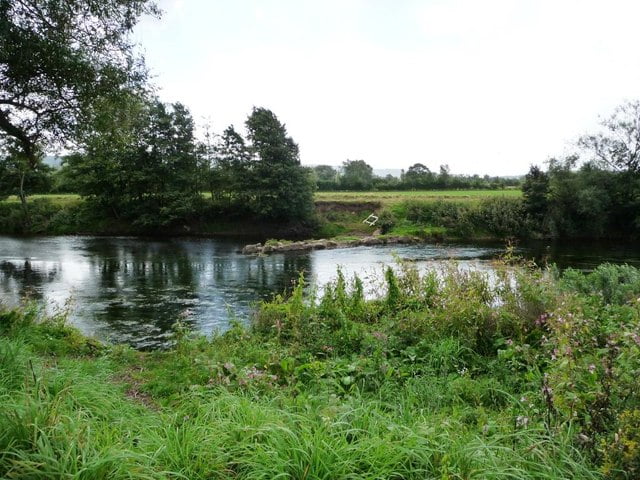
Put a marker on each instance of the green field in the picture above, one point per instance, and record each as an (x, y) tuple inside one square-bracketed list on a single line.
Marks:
[(386, 198), (390, 198), (58, 199)]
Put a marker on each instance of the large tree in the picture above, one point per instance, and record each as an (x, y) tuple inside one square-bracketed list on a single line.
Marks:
[(280, 187), (140, 163), (535, 190), (418, 176), (617, 146), (229, 174), (326, 177), (57, 57), (356, 175)]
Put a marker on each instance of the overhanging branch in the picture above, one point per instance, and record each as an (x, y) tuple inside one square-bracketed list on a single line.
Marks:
[(28, 146)]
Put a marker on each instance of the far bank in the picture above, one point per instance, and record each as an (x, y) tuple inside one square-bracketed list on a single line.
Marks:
[(343, 217)]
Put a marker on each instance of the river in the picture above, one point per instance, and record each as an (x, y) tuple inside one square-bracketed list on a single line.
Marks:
[(131, 290)]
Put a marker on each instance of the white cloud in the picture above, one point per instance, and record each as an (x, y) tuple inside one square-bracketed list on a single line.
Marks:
[(487, 87)]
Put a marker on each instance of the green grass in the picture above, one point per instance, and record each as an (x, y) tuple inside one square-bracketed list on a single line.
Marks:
[(386, 198), (454, 375), (61, 200), (391, 198)]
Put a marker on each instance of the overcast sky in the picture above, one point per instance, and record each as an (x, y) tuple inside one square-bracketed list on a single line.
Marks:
[(486, 86)]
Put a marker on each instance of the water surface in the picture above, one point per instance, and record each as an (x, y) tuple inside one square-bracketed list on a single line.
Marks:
[(132, 290)]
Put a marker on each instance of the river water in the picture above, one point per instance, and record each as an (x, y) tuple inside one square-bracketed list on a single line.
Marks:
[(131, 290)]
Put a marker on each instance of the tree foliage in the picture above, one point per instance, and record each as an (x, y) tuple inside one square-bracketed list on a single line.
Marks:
[(229, 168), (57, 57), (618, 145), (600, 197), (280, 188), (535, 190), (326, 177), (140, 163), (356, 175), (18, 176), (418, 176)]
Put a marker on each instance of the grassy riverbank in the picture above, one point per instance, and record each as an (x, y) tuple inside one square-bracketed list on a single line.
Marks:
[(337, 214), (531, 375), (387, 199), (428, 215)]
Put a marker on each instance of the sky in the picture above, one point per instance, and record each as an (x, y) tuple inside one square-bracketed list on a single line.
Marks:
[(485, 86)]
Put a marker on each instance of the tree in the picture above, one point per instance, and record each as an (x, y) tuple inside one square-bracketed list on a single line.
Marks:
[(17, 176), (618, 146), (356, 175), (326, 177), (535, 191), (279, 186), (444, 177), (57, 59), (140, 163), (230, 175), (418, 176)]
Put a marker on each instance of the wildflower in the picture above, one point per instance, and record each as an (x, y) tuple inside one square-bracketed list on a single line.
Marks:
[(542, 319), (592, 368), (379, 335), (254, 373)]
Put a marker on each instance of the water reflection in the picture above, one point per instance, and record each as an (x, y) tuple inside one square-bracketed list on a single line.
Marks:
[(20, 280), (132, 290)]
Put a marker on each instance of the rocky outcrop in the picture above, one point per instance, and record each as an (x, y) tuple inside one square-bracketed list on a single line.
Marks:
[(322, 244), (252, 249)]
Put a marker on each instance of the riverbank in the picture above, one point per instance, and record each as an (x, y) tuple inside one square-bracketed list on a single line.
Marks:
[(338, 217), (72, 216), (337, 214), (528, 376)]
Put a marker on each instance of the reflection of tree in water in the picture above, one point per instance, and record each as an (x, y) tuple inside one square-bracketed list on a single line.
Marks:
[(24, 281), (262, 276), (144, 288), (133, 290)]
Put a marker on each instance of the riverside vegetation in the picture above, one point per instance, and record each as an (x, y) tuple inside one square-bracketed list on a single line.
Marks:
[(527, 373)]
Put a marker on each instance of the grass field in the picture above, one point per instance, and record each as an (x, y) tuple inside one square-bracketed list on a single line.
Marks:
[(387, 198), (58, 199), (390, 198)]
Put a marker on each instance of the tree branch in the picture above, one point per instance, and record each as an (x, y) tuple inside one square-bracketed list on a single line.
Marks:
[(28, 145)]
